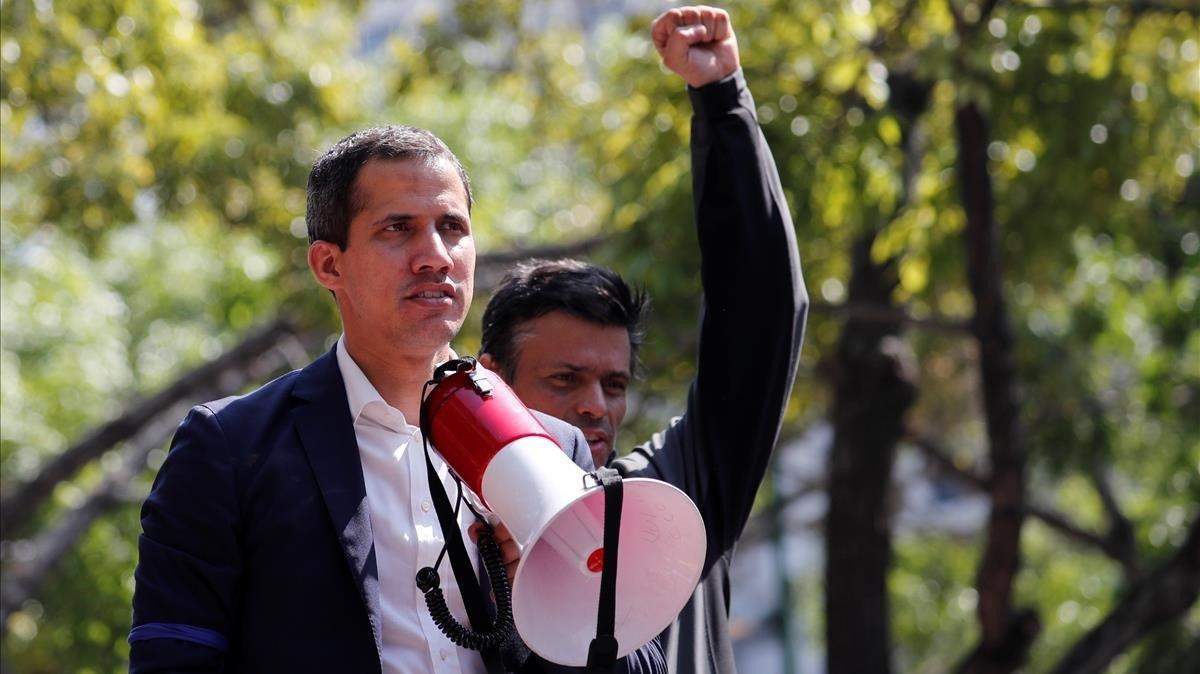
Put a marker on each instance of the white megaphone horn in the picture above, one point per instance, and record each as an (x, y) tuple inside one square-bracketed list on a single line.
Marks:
[(555, 512)]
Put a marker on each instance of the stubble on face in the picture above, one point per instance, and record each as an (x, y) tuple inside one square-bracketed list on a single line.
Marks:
[(575, 370), (410, 258)]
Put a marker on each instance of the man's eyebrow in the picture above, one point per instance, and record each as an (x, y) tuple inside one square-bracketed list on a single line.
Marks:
[(450, 216), (563, 365), (394, 217)]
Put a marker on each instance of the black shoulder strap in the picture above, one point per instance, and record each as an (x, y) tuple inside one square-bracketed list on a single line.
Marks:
[(460, 562), (602, 655)]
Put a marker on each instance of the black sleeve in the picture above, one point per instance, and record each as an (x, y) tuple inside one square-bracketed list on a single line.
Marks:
[(752, 323), (189, 559)]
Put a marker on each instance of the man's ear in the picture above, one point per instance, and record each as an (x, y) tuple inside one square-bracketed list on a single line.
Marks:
[(486, 360), (324, 259)]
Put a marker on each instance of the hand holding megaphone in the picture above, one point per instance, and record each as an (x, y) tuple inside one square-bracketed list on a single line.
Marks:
[(510, 551), (555, 513)]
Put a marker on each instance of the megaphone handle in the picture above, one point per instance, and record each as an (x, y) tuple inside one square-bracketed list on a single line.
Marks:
[(602, 654)]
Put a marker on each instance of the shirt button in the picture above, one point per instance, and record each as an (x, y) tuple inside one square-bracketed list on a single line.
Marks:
[(425, 506), (444, 653)]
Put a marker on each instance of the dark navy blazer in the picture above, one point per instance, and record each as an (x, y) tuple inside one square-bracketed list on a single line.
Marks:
[(256, 553)]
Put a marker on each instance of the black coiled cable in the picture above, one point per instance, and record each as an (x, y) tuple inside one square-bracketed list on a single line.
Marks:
[(429, 583)]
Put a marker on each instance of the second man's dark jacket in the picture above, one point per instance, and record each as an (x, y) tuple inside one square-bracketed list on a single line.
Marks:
[(752, 325)]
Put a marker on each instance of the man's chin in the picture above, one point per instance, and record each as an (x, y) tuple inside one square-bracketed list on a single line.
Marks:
[(434, 335), (600, 452)]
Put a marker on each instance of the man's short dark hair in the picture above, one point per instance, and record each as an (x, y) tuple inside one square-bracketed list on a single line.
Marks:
[(537, 287), (331, 200)]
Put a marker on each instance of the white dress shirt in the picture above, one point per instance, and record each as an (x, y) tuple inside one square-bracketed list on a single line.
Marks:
[(406, 530)]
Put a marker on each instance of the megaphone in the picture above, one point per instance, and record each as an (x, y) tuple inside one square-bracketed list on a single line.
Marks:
[(555, 513)]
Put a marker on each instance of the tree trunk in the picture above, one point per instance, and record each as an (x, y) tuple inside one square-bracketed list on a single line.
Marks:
[(1005, 634), (873, 390)]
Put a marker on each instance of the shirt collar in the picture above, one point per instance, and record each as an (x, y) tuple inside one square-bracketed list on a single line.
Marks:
[(364, 399)]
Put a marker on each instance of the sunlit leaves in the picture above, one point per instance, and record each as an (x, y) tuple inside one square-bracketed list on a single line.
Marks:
[(155, 156)]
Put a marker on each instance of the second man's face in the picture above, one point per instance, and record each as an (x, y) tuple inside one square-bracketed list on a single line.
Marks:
[(575, 370)]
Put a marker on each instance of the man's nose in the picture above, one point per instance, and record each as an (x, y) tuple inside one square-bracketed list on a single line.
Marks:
[(590, 402), (431, 252)]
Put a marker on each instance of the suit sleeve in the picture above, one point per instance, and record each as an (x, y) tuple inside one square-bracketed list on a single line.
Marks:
[(189, 557), (569, 438), (751, 325)]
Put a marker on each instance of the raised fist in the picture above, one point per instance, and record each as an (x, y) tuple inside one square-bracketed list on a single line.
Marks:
[(697, 43)]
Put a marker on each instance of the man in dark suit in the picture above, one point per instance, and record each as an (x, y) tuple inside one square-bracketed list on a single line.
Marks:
[(286, 526), (564, 333)]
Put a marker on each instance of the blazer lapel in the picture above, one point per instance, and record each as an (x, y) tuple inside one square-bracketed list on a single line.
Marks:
[(327, 435)]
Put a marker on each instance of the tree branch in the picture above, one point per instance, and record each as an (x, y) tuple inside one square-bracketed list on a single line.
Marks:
[(19, 504), (514, 255), (985, 11), (960, 24), (882, 35), (1120, 539), (875, 313), (29, 562), (758, 527), (491, 267), (1162, 595), (1062, 524), (1112, 544), (1136, 7), (933, 450)]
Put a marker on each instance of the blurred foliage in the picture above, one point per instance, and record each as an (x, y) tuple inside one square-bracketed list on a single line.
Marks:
[(934, 602), (152, 172)]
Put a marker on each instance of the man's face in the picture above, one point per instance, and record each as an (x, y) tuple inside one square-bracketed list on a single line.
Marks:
[(405, 279), (575, 370)]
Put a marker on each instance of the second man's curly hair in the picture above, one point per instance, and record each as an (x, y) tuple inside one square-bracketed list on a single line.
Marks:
[(537, 287)]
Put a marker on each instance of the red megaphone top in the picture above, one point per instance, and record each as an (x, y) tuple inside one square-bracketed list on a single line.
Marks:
[(471, 415)]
